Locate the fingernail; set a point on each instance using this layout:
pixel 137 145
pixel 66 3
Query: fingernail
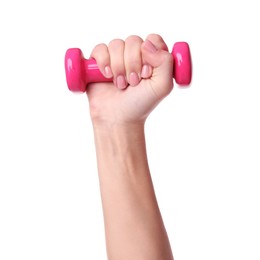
pixel 149 46
pixel 108 72
pixel 146 71
pixel 134 79
pixel 121 82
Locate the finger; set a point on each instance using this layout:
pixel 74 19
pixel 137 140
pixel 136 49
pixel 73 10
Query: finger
pixel 159 44
pixel 162 64
pixel 157 41
pixel 101 55
pixel 116 50
pixel 133 59
pixel 147 71
pixel 154 55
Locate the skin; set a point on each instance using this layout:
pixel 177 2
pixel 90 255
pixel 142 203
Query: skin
pixel 142 77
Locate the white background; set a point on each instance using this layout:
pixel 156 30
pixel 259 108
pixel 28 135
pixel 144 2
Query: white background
pixel 203 142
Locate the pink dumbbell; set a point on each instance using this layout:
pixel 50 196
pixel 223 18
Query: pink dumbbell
pixel 81 71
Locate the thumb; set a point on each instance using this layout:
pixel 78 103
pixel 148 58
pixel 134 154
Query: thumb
pixel 162 63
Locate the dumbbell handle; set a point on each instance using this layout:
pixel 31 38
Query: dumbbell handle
pixel 81 71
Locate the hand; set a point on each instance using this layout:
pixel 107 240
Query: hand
pixel 142 77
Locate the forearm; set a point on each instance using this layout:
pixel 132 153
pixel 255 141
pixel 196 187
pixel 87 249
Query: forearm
pixel 133 224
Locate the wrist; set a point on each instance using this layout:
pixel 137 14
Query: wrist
pixel 120 143
pixel 110 129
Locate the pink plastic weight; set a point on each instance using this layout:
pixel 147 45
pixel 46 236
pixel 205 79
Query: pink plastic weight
pixel 81 71
pixel 182 71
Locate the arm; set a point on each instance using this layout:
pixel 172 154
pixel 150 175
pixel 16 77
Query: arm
pixel 133 224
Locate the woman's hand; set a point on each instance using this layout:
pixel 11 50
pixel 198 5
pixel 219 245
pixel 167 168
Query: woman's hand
pixel 142 77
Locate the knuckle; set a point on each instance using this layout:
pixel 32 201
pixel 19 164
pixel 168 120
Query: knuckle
pixel 155 37
pixel 133 39
pixel 100 54
pixel 100 46
pixel 115 43
pixel 158 41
